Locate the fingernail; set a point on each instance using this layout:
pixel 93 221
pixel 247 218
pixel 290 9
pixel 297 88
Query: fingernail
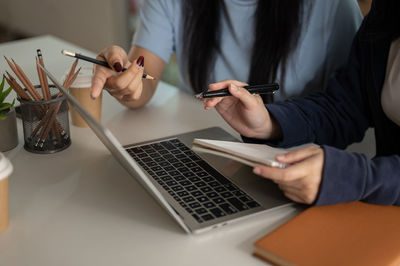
pixel 118 67
pixel 92 97
pixel 257 170
pixel 140 61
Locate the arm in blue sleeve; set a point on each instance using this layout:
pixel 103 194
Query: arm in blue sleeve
pixel 352 176
pixel 156 28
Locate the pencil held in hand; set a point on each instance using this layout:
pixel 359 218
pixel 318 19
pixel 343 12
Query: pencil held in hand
pixel 98 62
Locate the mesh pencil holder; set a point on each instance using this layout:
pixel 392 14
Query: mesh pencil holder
pixel 45 123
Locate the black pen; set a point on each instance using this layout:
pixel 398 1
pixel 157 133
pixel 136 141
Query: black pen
pixel 255 89
pixel 98 62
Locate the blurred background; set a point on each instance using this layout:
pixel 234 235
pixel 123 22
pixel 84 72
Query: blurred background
pixel 91 24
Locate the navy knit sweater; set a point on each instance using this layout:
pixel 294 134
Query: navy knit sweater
pixel 342 114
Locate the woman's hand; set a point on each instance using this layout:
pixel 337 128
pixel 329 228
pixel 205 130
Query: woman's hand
pixel 299 182
pixel 125 86
pixel 243 111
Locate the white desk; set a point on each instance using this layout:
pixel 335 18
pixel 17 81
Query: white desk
pixel 80 207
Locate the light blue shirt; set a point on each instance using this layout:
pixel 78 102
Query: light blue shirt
pixel 323 46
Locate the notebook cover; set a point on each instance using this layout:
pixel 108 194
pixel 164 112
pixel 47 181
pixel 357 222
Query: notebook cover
pixel 353 233
pixel 247 153
pixel 242 159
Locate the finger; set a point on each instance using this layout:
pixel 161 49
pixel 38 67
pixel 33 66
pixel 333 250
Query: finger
pixel 275 174
pixel 211 102
pixel 298 155
pixel 119 95
pixel 243 95
pixel 111 85
pixel 282 175
pixel 291 191
pixel 99 79
pixel 137 88
pixel 225 83
pixel 294 197
pixel 128 98
pixel 122 81
pixel 289 187
pixel 115 56
pixel 132 92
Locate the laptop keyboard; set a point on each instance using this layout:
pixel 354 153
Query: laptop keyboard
pixel 192 182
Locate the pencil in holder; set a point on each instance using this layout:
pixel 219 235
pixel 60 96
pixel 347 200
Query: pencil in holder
pixel 45 123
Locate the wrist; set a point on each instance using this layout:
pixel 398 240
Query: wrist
pixel 275 130
pixel 270 129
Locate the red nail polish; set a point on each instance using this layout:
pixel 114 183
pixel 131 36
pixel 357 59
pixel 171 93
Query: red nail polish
pixel 140 61
pixel 118 67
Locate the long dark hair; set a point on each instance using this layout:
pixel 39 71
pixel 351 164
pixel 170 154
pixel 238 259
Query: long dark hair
pixel 277 20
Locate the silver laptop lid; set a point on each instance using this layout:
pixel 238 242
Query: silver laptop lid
pixel 118 151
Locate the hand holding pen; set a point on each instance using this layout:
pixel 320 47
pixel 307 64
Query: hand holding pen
pixel 245 112
pixel 123 80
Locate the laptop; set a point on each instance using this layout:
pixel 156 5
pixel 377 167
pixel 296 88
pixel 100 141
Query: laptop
pixel 200 191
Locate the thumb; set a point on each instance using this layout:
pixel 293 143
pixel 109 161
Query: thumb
pixel 116 57
pixel 99 79
pixel 297 155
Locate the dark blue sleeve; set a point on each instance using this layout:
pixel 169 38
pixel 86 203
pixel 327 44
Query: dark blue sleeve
pixel 337 117
pixel 352 176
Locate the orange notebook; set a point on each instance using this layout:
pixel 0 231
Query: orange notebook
pixel 353 233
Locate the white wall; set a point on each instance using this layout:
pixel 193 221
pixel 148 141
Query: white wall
pixel 92 24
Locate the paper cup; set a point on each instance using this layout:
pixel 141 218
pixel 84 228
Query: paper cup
pixel 5 172
pixel 80 90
